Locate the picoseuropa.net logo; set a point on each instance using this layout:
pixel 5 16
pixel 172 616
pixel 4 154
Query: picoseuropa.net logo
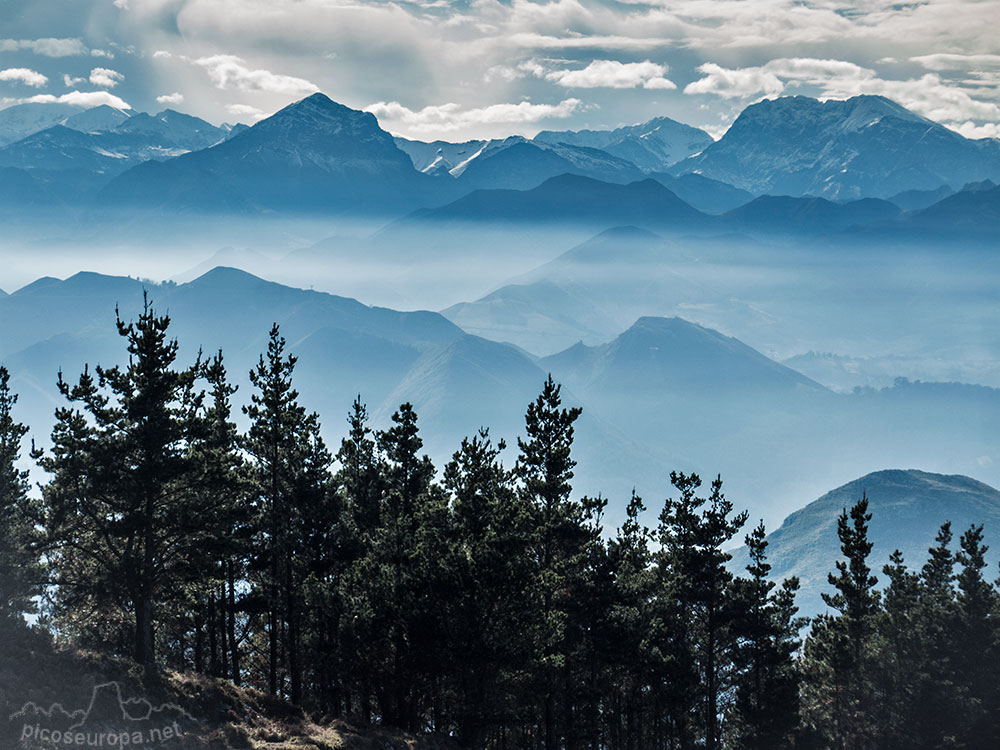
pixel 110 721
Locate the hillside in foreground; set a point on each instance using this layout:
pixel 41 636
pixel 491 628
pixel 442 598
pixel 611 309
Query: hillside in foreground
pixel 44 686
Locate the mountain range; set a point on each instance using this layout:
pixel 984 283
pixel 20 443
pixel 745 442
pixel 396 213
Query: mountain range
pixel 866 146
pixel 75 156
pixel 653 146
pixel 663 394
pixel 319 157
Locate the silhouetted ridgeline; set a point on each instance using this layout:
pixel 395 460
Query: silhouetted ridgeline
pixel 479 603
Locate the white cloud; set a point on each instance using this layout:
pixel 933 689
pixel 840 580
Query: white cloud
pixel 72 81
pixel 174 98
pixel 615 75
pixel 742 83
pixel 102 53
pixel 771 79
pixel 121 4
pixel 84 99
pixel 161 54
pixel 229 72
pixel 48 47
pixel 971 130
pixel 24 75
pixel 451 116
pixel 246 111
pixel 941 61
pixel 105 77
pixel 928 95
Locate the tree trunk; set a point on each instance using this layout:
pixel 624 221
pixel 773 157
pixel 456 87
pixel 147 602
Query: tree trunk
pixel 144 653
pixel 234 651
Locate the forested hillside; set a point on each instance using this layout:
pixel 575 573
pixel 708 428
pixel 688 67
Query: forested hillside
pixel 479 602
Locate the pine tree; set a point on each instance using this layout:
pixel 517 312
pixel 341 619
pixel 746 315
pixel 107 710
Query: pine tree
pixel 361 485
pixel 902 655
pixel 841 651
pixel 975 638
pixel 392 588
pixel 220 483
pixel 489 613
pixel 545 470
pixel 629 653
pixel 120 512
pixel 20 571
pixel 936 705
pixel 693 531
pixel 280 441
pixel 766 707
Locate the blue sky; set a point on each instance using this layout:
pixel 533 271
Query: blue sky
pixel 459 69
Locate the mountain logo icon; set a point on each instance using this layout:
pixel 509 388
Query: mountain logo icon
pixel 109 720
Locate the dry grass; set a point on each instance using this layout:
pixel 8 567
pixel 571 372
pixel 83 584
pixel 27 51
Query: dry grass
pixel 226 717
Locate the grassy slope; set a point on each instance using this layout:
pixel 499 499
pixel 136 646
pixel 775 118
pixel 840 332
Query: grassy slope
pixel 226 717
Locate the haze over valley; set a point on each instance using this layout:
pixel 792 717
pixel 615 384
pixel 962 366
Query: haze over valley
pixel 693 295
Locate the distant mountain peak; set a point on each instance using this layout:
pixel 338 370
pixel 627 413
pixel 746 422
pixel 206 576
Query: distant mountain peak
pixel 908 506
pixel 628 232
pixel 865 146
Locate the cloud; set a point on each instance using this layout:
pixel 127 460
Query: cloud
pixel 84 99
pixel 102 53
pixel 47 47
pixel 161 54
pixel 771 79
pixel 451 116
pixel 246 111
pixel 229 72
pixel 614 75
pixel 941 62
pixel 971 130
pixel 105 77
pixel 72 81
pixel 24 75
pixel 601 42
pixel 742 83
pixel 174 98
pixel 928 95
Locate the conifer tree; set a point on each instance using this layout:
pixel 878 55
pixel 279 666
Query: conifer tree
pixel 20 571
pixel 393 586
pixel 220 482
pixel 489 614
pixel 119 511
pixel 766 707
pixel 936 706
pixel 279 442
pixel 975 638
pixel 693 531
pixel 545 470
pixel 840 654
pixel 360 484
pixel 629 652
pixel 902 656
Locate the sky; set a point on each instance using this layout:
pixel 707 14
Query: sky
pixel 462 69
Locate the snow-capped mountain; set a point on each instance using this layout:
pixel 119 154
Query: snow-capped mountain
pixel 652 146
pixel 518 163
pixel 314 155
pixel 867 146
pixel 22 120
pixel 80 153
pixel 441 157
pixel 98 119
